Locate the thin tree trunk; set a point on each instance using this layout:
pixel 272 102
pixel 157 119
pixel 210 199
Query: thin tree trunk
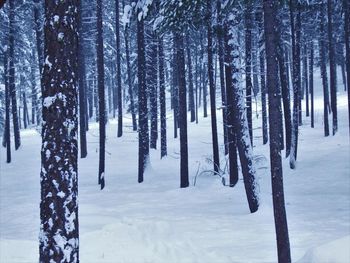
pixel 332 68
pixel 212 89
pixel 7 132
pixel 347 49
pixel 152 87
pixel 11 79
pixel 190 80
pixel 162 99
pixel 119 72
pixel 101 95
pixel 306 83
pixel 311 82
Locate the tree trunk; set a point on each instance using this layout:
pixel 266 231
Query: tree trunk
pixel 311 82
pixel 295 28
pixel 240 119
pixel 101 94
pixel 119 72
pixel 275 123
pixel 82 86
pixel 11 79
pixel 142 97
pixel 179 40
pixel 248 65
pixel 347 49
pixel 131 94
pixel 7 132
pixel 332 68
pixel 212 89
pixel 220 47
pixel 306 83
pixel 175 93
pixel 190 80
pixel 162 99
pixel 323 68
pixel 59 229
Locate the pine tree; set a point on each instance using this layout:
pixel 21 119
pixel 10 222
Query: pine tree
pixel 346 6
pixel 119 72
pixel 101 95
pixel 162 99
pixel 275 131
pixel 59 233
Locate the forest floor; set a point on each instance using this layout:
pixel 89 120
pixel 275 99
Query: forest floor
pixel 156 221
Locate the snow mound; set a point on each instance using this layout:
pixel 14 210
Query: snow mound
pixel 336 251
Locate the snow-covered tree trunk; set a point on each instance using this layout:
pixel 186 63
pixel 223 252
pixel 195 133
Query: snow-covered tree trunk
pixel 241 128
pixel 59 233
pixel 275 131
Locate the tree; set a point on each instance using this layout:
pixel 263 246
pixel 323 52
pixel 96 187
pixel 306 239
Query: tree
pixel 82 86
pixel 240 122
pixel 101 95
pixel 142 97
pixel 119 72
pixel 7 132
pixel 275 131
pixel 11 78
pixel 347 49
pixel 214 132
pixel 59 233
pixel 332 68
pixel 162 101
pixel 311 82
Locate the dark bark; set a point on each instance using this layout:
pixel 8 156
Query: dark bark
pixel 262 77
pixel 296 80
pixel 82 86
pixel 190 81
pixel 152 87
pixel 275 132
pixel 175 93
pixel 248 65
pixel 142 97
pixel 25 111
pixel 347 50
pixel 11 78
pixel 306 83
pixel 119 71
pixel 131 94
pixel 101 95
pixel 212 89
pixel 323 68
pixel 162 99
pixel 179 40
pixel 7 132
pixel 220 47
pixel 59 229
pixel 311 83
pixel 332 68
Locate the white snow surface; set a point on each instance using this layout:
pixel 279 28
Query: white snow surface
pixel 156 221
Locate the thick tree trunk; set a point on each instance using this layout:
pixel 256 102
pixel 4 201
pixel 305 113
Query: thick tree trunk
pixel 119 72
pixel 142 97
pixel 332 68
pixel 179 40
pixel 275 123
pixel 101 95
pixel 212 89
pixel 241 129
pixel 59 229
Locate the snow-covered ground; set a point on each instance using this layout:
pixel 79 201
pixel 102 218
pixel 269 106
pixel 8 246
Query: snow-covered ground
pixel 156 221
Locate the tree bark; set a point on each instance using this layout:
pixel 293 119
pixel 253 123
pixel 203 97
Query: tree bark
pixel 119 72
pixel 162 99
